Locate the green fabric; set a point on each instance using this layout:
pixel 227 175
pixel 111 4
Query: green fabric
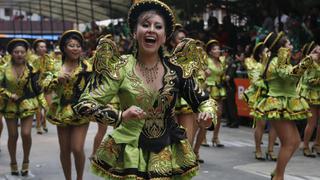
pixel 9 108
pixel 254 70
pixel 281 82
pixel 174 159
pixel 309 85
pixel 121 149
pixel 217 77
pixel 283 101
pixel 63 114
pixel 217 72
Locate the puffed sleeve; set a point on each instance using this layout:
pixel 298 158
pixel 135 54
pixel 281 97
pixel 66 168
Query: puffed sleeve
pixel 187 56
pixel 311 77
pixel 256 78
pixel 197 98
pixel 49 78
pixel 3 91
pixel 284 69
pixel 103 86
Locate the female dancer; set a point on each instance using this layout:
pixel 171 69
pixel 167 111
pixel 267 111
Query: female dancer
pixel 45 64
pixel 309 89
pixel 283 104
pixel 19 91
pixel 148 142
pixel 102 128
pixel 68 83
pixel 215 82
pixel 255 93
pixel 185 115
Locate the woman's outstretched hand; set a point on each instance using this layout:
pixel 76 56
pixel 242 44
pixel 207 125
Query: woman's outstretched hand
pixel 133 112
pixel 204 119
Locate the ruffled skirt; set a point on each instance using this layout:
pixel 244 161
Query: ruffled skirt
pixel 126 162
pixel 282 108
pixel 217 92
pixel 311 95
pixel 25 108
pixel 182 107
pixel 64 116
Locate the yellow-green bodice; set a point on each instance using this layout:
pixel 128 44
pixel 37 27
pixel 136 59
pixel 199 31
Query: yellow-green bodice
pixel 24 87
pixel 14 85
pixel 282 79
pixel 311 78
pixel 217 69
pixel 157 126
pixel 67 94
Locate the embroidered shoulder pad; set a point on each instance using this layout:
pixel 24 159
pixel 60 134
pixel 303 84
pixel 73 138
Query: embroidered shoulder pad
pixel 188 56
pixel 107 59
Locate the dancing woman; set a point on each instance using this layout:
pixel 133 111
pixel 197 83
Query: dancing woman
pixel 68 82
pixel 283 105
pixel 19 92
pixel 148 143
pixel 256 92
pixel 309 89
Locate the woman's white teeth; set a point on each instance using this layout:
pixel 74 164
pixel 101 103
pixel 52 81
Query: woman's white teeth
pixel 150 39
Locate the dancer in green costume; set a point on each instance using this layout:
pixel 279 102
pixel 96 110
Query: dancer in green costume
pixel 148 143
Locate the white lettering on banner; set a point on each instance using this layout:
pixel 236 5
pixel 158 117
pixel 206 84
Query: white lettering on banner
pixel 241 90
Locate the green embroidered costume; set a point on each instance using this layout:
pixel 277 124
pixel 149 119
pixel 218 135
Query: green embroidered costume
pixel 215 81
pixel 309 86
pixel 283 101
pixel 25 86
pixel 154 147
pixel 60 112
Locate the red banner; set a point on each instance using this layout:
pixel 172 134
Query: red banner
pixel 241 85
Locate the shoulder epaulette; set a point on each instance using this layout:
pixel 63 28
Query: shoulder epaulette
pixel 187 56
pixel 107 59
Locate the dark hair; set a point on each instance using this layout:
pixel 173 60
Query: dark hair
pixel 172 37
pixel 37 42
pixel 211 45
pixel 258 51
pixel 282 41
pixel 151 12
pixel 18 44
pixel 159 7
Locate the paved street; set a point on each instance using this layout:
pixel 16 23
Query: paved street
pixel 233 162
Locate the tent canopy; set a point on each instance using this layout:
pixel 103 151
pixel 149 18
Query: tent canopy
pixel 72 10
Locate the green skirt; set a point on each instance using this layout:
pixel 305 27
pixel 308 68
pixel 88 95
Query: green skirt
pixel 311 95
pixel 13 110
pixel 282 108
pixel 64 116
pixel 123 161
pixel 217 92
pixel 182 107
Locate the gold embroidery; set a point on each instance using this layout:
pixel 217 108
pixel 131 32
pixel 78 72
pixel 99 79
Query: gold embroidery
pixel 155 125
pixel 188 56
pixel 159 162
pixel 107 59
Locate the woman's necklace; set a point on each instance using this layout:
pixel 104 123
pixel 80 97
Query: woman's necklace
pixel 150 73
pixel 19 71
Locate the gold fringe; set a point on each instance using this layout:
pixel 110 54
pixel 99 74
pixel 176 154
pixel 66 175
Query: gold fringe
pixel 98 170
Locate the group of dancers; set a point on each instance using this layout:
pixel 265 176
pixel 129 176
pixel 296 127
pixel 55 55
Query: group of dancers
pixel 160 99
pixel 281 93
